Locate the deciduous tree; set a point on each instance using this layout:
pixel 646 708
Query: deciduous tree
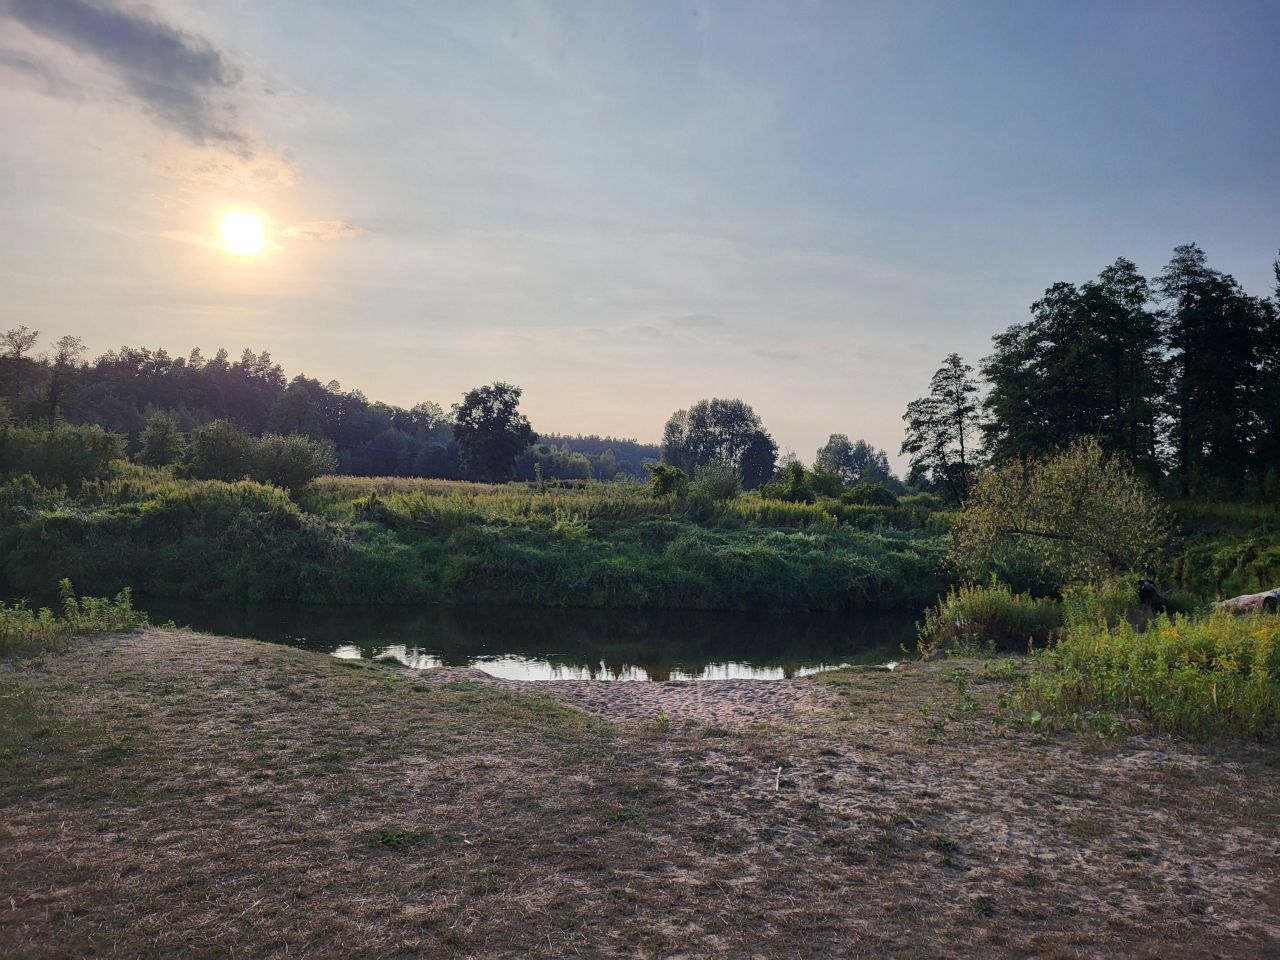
pixel 490 431
pixel 1080 514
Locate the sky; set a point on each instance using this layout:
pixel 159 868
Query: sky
pixel 621 207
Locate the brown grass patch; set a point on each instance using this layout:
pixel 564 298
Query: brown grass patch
pixel 171 793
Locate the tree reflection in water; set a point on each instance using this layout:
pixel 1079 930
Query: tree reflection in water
pixel 544 644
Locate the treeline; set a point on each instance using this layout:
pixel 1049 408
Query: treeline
pixel 1180 375
pixel 131 390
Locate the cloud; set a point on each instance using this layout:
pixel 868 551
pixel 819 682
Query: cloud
pixel 177 76
pixel 187 86
pixel 39 75
pixel 322 230
pixel 697 320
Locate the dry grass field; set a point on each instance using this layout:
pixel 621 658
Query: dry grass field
pixel 167 793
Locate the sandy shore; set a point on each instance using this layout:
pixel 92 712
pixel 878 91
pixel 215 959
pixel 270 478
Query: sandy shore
pixel 722 703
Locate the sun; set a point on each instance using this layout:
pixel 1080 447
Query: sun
pixel 244 233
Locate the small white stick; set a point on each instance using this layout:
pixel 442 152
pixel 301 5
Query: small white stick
pixel 777 780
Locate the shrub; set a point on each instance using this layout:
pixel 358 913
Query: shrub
pixel 162 442
pixel 825 483
pixel 58 454
pixel 793 485
pixel 1083 514
pixel 220 451
pixel 22 627
pixel 291 461
pixel 1193 676
pixel 983 617
pixel 665 480
pixel 716 481
pixel 870 494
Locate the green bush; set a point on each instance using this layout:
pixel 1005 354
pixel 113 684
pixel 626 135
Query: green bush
pixel 987 617
pixel 220 451
pixel 162 442
pixel 290 461
pixel 666 480
pixel 1193 676
pixel 716 481
pixel 870 494
pixel 58 454
pixel 793 486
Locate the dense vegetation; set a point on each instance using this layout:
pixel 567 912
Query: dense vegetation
pixel 1195 676
pixel 125 391
pixel 387 540
pixel 1180 376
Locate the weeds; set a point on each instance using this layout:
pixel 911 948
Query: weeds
pixel 24 629
pixel 1196 677
pixel 977 619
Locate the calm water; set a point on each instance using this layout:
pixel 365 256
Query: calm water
pixel 541 644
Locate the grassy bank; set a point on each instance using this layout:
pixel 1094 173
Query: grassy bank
pixel 361 541
pixel 157 786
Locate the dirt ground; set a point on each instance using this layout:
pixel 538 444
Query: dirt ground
pixel 174 794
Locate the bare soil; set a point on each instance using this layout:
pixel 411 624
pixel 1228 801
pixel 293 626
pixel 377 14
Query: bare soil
pixel 167 793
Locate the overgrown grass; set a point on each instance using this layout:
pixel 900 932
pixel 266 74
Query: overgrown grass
pixel 24 629
pixel 1198 677
pixel 975 618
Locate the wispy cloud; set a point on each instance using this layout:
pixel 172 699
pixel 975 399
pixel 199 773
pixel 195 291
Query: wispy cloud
pixel 322 230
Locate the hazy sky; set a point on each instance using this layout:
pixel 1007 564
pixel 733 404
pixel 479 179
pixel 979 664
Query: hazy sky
pixel 622 207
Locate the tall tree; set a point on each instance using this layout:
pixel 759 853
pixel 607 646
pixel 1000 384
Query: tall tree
pixel 16 344
pixel 1087 364
pixel 1214 331
pixel 854 461
pixel 66 353
pixel 1268 445
pixel 724 430
pixel 490 431
pixel 941 429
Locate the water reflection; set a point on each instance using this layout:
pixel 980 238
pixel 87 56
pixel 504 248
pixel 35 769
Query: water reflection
pixel 541 644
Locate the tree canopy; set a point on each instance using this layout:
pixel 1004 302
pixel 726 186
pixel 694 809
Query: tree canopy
pixel 1078 515
pixel 855 462
pixel 720 430
pixel 490 431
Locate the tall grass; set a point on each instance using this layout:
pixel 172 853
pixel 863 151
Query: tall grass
pixel 974 618
pixel 1197 677
pixel 22 628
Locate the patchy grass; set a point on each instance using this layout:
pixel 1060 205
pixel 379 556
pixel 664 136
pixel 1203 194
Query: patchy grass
pixel 167 793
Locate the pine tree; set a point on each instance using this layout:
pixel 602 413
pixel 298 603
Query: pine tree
pixel 941 429
pixel 1213 331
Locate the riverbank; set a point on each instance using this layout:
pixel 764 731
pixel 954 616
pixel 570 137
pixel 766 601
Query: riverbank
pixel 379 541
pixel 169 792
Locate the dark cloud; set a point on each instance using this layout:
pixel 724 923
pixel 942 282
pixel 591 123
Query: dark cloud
pixel 181 79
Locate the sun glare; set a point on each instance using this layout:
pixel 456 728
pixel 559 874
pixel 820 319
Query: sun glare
pixel 244 233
